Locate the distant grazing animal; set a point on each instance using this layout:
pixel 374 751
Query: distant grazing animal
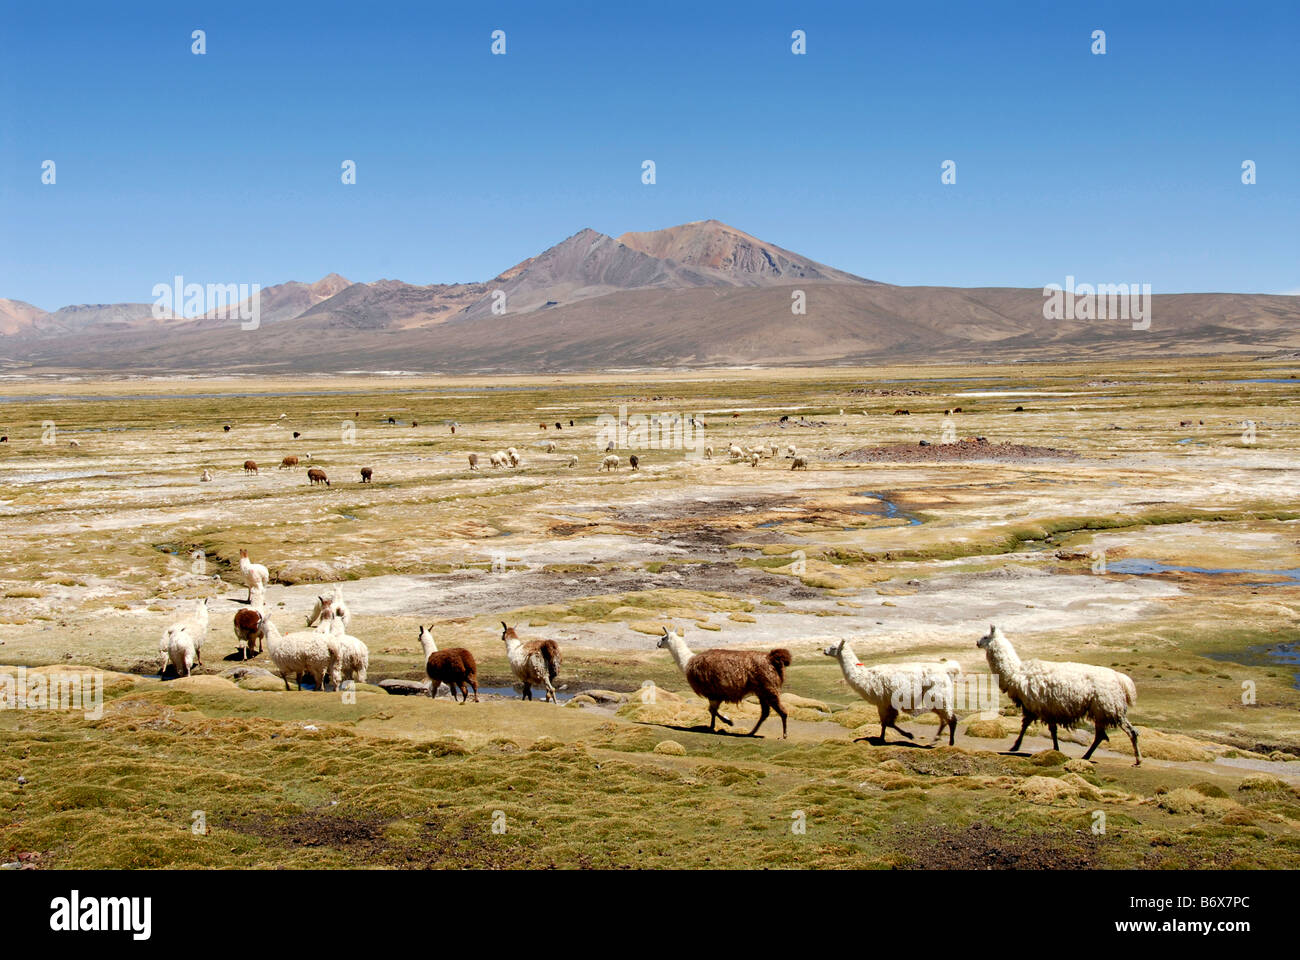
pixel 708 452
pixel 947 413
pixel 288 462
pixel 734 452
pixel 609 446
pixel 296 434
pixel 910 687
pixel 534 663
pixel 473 461
pixel 902 413
pixel 255 575
pixel 250 466
pixel 570 423
pixel 226 428
pixel 455 667
pixel 557 425
pixel 513 456
pixel 415 423
pixel 206 476
pixel 573 461
pixel 317 475
pixel 73 443
pixel 956 409
pixel 728 676
pixel 609 463
pixel 453 428
pixel 499 459
pixel 1019 410
pixel 1062 694
pixel 392 420
pixel 250 631
pixel 549 446
pixel 4 439
pixel 791 451
pixel 634 461
pixel 542 425
pixel 182 642
pixel 366 474
pixel 753 459
pixel 799 463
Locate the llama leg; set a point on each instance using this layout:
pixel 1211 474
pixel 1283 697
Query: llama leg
pixel 528 691
pixel 1096 740
pixel 1055 745
pixel 1025 721
pixel 550 693
pixel 952 731
pixel 1132 735
pixel 780 710
pixel 893 724
pixel 765 710
pixel 473 682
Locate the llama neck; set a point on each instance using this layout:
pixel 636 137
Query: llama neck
pixel 681 653
pixel 848 659
pixel 1002 658
pixel 428 645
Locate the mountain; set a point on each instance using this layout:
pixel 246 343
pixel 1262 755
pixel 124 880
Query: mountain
pixel 723 251
pixel 697 294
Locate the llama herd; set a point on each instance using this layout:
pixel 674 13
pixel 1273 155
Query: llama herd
pixel 1057 694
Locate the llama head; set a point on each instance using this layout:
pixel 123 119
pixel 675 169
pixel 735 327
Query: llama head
pixel 508 633
pixel 243 554
pixel 833 650
pixel 989 637
pixel 668 637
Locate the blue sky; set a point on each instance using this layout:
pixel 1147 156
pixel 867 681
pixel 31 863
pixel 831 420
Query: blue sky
pixel 226 167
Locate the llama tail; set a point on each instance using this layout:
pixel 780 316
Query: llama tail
pixel 550 651
pixel 1130 689
pixel 780 659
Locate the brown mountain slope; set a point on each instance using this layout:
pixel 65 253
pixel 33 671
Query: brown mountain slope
pixel 742 259
pixel 710 326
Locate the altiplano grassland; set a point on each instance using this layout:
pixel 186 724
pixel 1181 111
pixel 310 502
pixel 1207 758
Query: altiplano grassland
pixel 1152 525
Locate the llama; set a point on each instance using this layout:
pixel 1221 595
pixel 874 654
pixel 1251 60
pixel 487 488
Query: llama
pixel 734 452
pixel 549 446
pixel 634 462
pixel 728 676
pixel 609 463
pixel 290 461
pixel 499 459
pixel 250 466
pixel 352 655
pixel 316 475
pixel 250 632
pixel 304 652
pixel 338 608
pixel 513 456
pixel 182 642
pixel 473 461
pixel 255 575
pixel 753 459
pixel 1060 694
pixel 367 474
pixel 708 452
pixel 455 667
pixel 536 662
pixel 206 477
pixel 572 461
pixel 913 688
pixel 799 463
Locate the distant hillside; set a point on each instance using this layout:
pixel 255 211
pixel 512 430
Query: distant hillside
pixel 694 295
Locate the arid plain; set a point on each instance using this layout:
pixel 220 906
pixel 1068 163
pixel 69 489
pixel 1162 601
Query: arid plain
pixel 1143 517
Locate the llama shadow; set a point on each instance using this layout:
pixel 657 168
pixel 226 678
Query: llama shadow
pixel 882 742
pixel 704 728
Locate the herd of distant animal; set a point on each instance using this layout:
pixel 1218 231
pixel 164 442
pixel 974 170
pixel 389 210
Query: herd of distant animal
pixel 1058 694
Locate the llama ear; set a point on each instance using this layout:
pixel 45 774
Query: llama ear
pixel 503 625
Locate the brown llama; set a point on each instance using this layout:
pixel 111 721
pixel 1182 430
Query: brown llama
pixel 250 631
pixel 250 466
pixel 366 474
pixel 317 475
pixel 728 676
pixel 288 462
pixel 455 667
